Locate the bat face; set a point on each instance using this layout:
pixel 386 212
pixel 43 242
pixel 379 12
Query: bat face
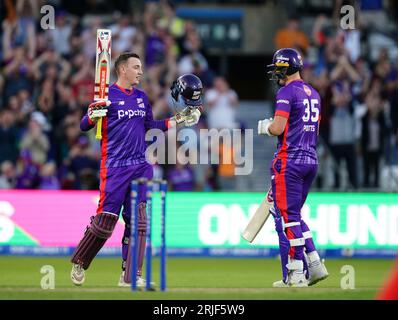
pixel 102 65
pixel 257 221
pixel 102 70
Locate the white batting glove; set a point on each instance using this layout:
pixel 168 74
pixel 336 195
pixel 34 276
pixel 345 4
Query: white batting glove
pixel 192 118
pixel 263 126
pixel 98 109
pixel 188 116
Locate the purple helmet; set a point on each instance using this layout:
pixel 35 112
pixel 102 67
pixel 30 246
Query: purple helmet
pixel 189 87
pixel 285 62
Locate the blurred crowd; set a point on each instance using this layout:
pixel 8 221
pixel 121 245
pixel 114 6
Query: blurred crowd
pixel 47 82
pixel 356 74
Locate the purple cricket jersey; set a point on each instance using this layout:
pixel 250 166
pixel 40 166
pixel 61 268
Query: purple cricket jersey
pixel 301 105
pixel 123 129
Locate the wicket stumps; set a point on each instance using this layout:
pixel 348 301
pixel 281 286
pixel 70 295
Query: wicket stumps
pixel 134 233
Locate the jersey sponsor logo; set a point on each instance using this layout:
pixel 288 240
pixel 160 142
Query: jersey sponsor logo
pixel 283 101
pixel 140 103
pixel 307 90
pixel 121 103
pixel 130 113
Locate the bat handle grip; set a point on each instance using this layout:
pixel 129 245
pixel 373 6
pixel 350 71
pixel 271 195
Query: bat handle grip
pixel 98 134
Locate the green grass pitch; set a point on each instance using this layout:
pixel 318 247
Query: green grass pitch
pixel 188 278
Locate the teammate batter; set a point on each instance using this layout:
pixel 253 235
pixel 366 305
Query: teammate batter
pixel 293 168
pixel 127 115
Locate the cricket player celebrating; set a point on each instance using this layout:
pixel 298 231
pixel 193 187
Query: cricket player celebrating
pixel 296 124
pixel 126 117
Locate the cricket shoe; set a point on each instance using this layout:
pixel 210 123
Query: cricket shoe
pixel 123 283
pixel 295 278
pixel 141 282
pixel 317 272
pixel 280 284
pixel 77 274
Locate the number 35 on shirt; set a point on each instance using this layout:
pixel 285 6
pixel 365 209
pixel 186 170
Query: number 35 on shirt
pixel 311 114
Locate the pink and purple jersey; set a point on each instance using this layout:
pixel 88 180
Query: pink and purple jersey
pixel 123 129
pixel 301 105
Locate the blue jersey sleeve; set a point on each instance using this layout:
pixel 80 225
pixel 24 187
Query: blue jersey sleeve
pixel 86 124
pixel 150 123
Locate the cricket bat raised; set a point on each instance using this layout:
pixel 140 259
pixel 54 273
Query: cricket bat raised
pixel 257 221
pixel 102 70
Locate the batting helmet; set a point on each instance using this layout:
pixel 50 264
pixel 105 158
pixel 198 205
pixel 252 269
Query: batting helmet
pixel 189 87
pixel 285 62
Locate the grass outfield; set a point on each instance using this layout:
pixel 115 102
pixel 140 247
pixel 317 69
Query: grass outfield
pixel 188 278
